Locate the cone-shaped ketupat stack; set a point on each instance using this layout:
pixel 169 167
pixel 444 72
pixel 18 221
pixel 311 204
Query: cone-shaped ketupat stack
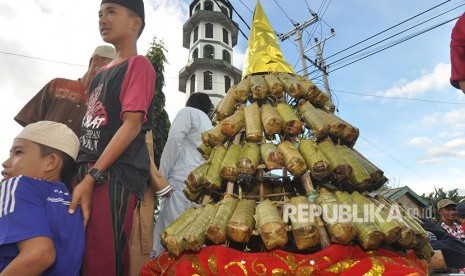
pixel 276 121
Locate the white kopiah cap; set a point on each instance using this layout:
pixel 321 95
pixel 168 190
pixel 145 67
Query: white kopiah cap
pixel 104 51
pixel 54 135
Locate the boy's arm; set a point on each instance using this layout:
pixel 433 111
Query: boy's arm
pixel 131 127
pixel 35 256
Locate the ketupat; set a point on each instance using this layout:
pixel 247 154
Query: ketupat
pixel 340 169
pixel 227 105
pixel 213 178
pixel 291 84
pixel 196 178
pixel 216 230
pixel 242 223
pixel 215 137
pixel 275 86
pixel 293 160
pixel 291 123
pixel 258 87
pixel 313 120
pixel 359 179
pixel 271 121
pixel 316 161
pixel 305 232
pixel 194 238
pixel 407 235
pixel 248 159
pixel 369 235
pixel 171 237
pixel 270 225
pixel 339 232
pixel 271 156
pixel 253 123
pixel 241 91
pixel 229 170
pixel 391 229
pixel 234 123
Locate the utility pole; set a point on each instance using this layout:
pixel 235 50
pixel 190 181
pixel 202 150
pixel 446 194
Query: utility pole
pixel 298 32
pixel 321 62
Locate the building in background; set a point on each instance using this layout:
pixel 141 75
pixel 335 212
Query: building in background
pixel 410 200
pixel 210 35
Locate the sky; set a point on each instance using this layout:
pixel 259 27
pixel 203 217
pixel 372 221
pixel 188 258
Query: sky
pixel 411 121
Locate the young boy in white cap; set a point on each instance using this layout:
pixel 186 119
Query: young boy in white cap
pixel 37 235
pixel 65 100
pixel 114 159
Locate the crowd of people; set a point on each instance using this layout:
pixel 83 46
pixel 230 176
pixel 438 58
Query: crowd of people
pixel 78 187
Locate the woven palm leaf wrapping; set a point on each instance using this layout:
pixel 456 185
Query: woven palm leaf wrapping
pixel 271 156
pixel 315 159
pixel 272 122
pixel 242 223
pixel 305 232
pixel 270 225
pixel 291 123
pixel 234 123
pixel 249 159
pixel 253 124
pixel 258 87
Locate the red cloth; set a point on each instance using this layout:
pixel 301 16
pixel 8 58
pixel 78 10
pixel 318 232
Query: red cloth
pixel 334 260
pixel 457 52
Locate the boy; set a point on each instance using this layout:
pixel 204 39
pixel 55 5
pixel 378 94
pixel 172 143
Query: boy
pixel 63 100
pixel 37 235
pixel 114 159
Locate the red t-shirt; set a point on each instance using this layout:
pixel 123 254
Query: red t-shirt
pixel 457 52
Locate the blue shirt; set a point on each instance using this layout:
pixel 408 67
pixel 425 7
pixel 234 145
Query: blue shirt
pixel 32 208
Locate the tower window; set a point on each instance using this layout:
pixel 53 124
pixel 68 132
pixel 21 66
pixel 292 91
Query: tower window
pixel 209 30
pixel 208 5
pixel 207 80
pixel 208 51
pixel 196 33
pixel 195 54
pixel 227 83
pixel 226 56
pixel 197 8
pixel 192 84
pixel 225 36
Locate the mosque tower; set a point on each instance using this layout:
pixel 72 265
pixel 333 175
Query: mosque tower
pixel 210 35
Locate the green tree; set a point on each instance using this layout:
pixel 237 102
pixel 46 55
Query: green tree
pixel 161 122
pixel 438 194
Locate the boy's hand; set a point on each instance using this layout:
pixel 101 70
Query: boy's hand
pixel 82 194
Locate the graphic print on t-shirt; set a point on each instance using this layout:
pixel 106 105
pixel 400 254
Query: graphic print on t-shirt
pixel 96 117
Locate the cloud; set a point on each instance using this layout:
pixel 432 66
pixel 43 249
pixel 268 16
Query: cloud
pixel 421 141
pixel 435 80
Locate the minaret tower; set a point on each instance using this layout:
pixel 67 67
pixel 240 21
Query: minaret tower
pixel 210 35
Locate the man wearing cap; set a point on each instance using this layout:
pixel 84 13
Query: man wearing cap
pixel 448 217
pixel 64 100
pixel 37 235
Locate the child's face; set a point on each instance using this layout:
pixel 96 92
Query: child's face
pixel 25 159
pixel 115 23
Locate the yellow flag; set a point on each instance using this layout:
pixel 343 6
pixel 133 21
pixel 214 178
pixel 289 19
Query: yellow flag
pixel 263 52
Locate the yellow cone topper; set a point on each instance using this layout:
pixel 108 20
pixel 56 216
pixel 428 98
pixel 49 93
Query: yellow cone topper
pixel 263 52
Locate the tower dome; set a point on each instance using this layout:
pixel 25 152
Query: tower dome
pixel 210 35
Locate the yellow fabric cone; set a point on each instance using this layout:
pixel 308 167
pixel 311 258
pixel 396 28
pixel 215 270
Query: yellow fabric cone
pixel 263 52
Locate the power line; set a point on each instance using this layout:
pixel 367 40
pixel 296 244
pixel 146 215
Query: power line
pixel 390 28
pixel 43 59
pixel 396 98
pixel 394 35
pixel 292 21
pixel 396 43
